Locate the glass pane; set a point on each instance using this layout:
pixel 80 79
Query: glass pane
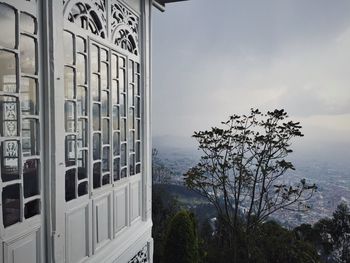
pixel 123 129
pixel 28 55
pixel 96 115
pixel 9 161
pixel 114 65
pixel 138 131
pixel 132 164
pixel 28 96
pixel 131 95
pixel 115 92
pixel 131 119
pixel 138 168
pixel 138 152
pixel 104 55
pixel 94 59
pixel 131 70
pixel 31 178
pixel 123 154
pixel 132 141
pixel 8 26
pixel 122 80
pixel 97 175
pixel 69 112
pixel 105 179
pixel 116 144
pixel 68 48
pixel 69 86
pixel 81 69
pixel 105 159
pixel 95 87
pixel 29 133
pixel 82 101
pixel 82 165
pixel 104 76
pixel 105 104
pixel 8 70
pixel 105 132
pixel 32 208
pixel 138 85
pixel 122 106
pixel 28 23
pixel 80 45
pixel 11 204
pixel 70 150
pixel 137 107
pixel 96 146
pixel 70 184
pixel 116 169
pixel 123 173
pixel 82 188
pixel 82 132
pixel 116 118
pixel 8 115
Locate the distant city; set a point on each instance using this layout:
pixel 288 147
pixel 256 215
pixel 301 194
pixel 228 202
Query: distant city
pixel 332 178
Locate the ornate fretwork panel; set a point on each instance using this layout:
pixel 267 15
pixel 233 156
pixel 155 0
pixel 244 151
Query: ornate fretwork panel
pixel 125 28
pixel 20 157
pixel 141 257
pixel 90 15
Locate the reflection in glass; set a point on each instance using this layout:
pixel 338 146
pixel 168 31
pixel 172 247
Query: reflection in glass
pixel 80 45
pixel 28 23
pixel 82 101
pixel 138 85
pixel 131 70
pixel 82 131
pixel 31 178
pixel 105 131
pixel 70 184
pixel 116 169
pixel 114 65
pixel 116 144
pixel 104 76
pixel 115 92
pixel 132 141
pixel 122 80
pixel 8 116
pixel 96 146
pixel 131 95
pixel 115 118
pixel 32 208
pixel 97 175
pixel 82 165
pixel 82 188
pixel 95 87
pixel 131 118
pixel 68 48
pixel 105 159
pixel 94 59
pixel 105 104
pixel 9 160
pixel 137 107
pixel 8 26
pixel 123 173
pixel 138 152
pixel 105 179
pixel 69 87
pixel 69 113
pixel 138 131
pixel 81 70
pixel 132 164
pixel 28 96
pixel 29 137
pixel 138 168
pixel 96 115
pixel 123 154
pixel 123 129
pixel 11 204
pixel 122 106
pixel 70 150
pixel 28 55
pixel 8 71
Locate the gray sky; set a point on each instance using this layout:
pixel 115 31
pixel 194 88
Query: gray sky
pixel 213 58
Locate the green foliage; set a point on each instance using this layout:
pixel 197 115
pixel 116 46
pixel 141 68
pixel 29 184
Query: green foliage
pixel 181 242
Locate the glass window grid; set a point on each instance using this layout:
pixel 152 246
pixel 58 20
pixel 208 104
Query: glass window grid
pixel 21 159
pixel 77 136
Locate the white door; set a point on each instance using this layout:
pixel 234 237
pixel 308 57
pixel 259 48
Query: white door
pixel 22 204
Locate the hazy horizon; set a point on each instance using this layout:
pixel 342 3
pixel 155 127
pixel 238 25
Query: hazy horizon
pixel 211 61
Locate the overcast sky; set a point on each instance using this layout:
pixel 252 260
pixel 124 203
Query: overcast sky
pixel 213 58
